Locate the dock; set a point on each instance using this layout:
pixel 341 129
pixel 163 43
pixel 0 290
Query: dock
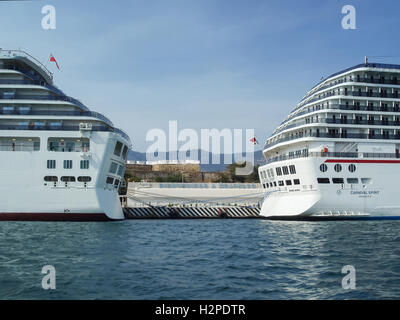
pixel 165 212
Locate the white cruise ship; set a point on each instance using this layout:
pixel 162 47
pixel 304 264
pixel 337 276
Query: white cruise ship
pixel 59 160
pixel 337 153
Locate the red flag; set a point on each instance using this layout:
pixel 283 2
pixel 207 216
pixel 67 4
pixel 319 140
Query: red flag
pixel 254 140
pixel 52 59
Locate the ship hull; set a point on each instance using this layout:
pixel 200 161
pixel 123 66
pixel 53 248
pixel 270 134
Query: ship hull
pixel 376 197
pixel 26 195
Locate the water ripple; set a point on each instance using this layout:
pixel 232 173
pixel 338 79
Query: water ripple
pixel 200 259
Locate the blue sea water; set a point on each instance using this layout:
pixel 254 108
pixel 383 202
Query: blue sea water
pixel 200 259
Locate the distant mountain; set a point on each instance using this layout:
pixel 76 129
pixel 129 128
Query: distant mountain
pixel 210 167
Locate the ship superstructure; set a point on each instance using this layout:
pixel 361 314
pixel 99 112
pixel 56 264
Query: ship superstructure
pixel 337 152
pixel 59 160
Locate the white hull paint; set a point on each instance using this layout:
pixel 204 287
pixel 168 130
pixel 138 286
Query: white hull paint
pixel 58 159
pixel 337 154
pixel 379 197
pixel 23 189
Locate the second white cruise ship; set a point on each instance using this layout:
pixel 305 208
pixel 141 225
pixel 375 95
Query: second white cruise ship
pixel 337 153
pixel 59 160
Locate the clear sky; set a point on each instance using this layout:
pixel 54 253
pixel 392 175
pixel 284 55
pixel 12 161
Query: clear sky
pixel 205 63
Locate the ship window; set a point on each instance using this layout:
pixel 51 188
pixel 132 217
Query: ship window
pixel 50 179
pixel 68 144
pixel 292 169
pixel 352 180
pixel 264 186
pixel 296 181
pixel 288 182
pixel 67 179
pixel 125 152
pixel 24 110
pixel 285 170
pixel 337 167
pixel 280 183
pixel 338 180
pixel 113 167
pixel 8 95
pixel 263 174
pixel 323 180
pixel 274 183
pixel 8 110
pixel 366 180
pixel 19 144
pixel 118 148
pixel 84 164
pixel 323 167
pixel 109 180
pixel 352 168
pixel 51 164
pixel 116 183
pixel 84 179
pixel 67 164
pixel 278 171
pixel 121 169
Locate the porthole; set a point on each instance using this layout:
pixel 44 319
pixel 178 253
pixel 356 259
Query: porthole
pixel 337 167
pixel 352 168
pixel 323 167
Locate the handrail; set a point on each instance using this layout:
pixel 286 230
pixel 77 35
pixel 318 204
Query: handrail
pixel 24 54
pixel 352 155
pixel 358 66
pixel 31 112
pixel 340 107
pixel 335 136
pixel 48 97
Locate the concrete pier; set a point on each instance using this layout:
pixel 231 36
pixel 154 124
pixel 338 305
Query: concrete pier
pixel 165 212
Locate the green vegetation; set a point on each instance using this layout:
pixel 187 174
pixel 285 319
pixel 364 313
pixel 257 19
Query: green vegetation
pixel 171 177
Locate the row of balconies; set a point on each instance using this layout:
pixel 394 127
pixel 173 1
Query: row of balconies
pixel 384 134
pixel 389 79
pixel 356 107
pixel 27 110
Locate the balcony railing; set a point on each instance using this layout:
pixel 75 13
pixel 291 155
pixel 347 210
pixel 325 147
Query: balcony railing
pixel 18 147
pixel 52 127
pixel 32 112
pixel 350 93
pixel 336 136
pixel 340 107
pixel 22 54
pixel 45 97
pixel 353 155
pixel 363 80
pixel 32 82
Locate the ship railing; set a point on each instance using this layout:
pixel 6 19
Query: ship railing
pixel 20 53
pixel 35 80
pixel 340 107
pixel 18 147
pixel 83 149
pixel 24 111
pixel 350 94
pixel 32 82
pixel 11 95
pixel 51 127
pixel 342 121
pixel 342 135
pixel 355 80
pixel 352 155
pixel 194 185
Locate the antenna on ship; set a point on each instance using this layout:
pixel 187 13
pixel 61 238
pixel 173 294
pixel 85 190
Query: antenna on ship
pixel 366 60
